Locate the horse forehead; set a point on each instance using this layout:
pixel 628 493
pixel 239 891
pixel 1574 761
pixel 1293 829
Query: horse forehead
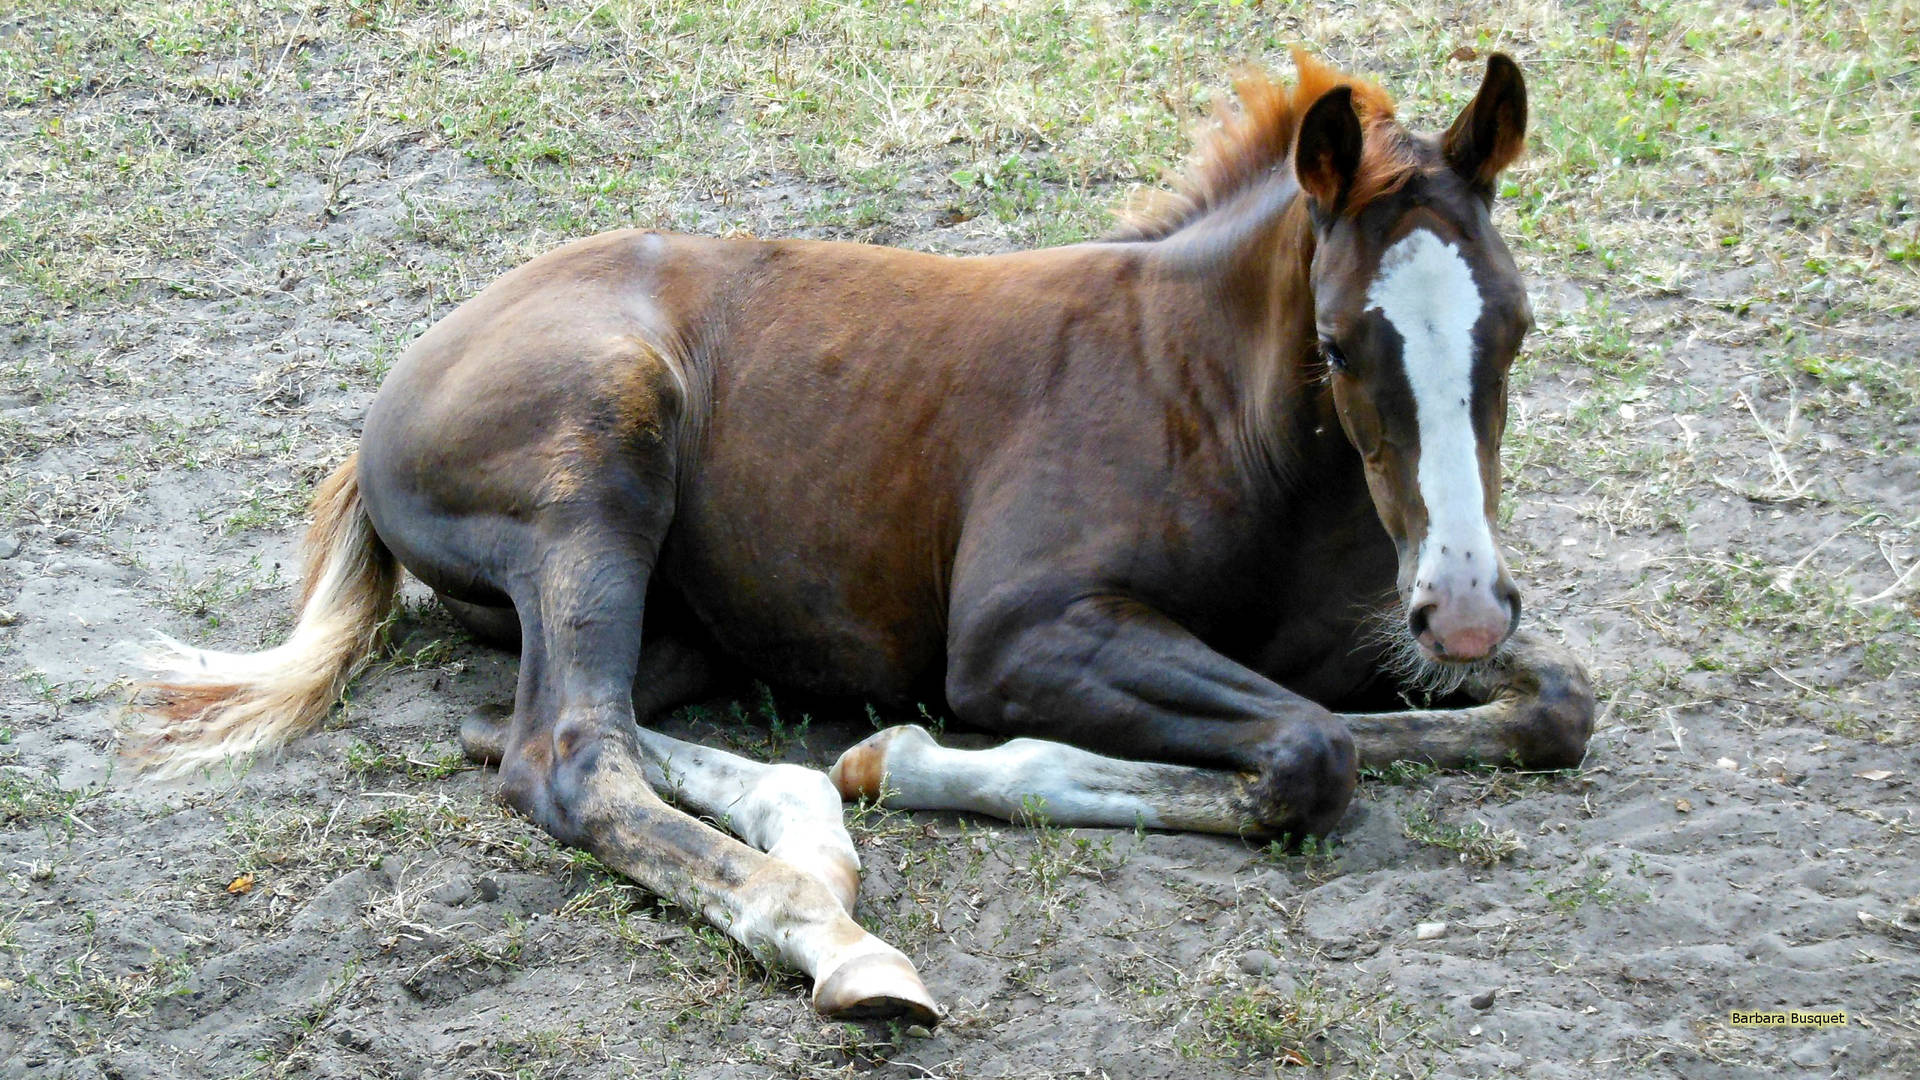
pixel 1425 286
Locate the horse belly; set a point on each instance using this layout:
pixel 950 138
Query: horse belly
pixel 837 607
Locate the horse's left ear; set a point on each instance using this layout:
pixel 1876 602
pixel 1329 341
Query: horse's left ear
pixel 1486 138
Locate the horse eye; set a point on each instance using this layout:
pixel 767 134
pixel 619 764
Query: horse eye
pixel 1336 360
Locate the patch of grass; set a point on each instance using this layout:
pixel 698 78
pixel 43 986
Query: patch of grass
pixel 98 997
pixel 1400 773
pixel 1315 857
pixel 264 507
pixel 367 761
pixel 541 1053
pixel 295 849
pixel 37 799
pixel 1059 854
pixel 1476 842
pixel 206 596
pixel 1311 1026
pixel 1596 889
pixel 437 652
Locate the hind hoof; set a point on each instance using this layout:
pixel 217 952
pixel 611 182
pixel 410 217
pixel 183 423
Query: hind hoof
pixel 877 987
pixel 483 734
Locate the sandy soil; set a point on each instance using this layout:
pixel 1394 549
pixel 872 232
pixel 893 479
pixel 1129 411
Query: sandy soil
pixel 1743 834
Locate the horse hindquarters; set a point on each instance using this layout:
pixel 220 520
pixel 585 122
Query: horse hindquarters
pixel 527 455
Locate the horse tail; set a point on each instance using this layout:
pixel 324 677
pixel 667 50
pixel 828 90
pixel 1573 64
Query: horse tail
pixel 204 707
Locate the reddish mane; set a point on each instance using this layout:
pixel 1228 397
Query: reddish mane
pixel 1242 145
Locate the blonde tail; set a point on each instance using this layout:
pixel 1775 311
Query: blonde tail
pixel 206 707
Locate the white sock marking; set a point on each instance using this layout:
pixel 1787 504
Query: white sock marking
pixel 1064 785
pixel 788 811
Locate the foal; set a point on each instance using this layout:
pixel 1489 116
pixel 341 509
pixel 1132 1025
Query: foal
pixel 1143 496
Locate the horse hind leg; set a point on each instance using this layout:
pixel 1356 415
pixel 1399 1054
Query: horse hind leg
pixel 495 626
pixel 671 674
pixel 791 812
pixel 575 762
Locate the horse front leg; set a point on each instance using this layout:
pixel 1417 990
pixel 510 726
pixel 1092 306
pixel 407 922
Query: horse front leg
pixel 1035 781
pixel 1113 675
pixel 1536 711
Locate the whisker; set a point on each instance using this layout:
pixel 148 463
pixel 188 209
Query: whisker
pixel 1384 629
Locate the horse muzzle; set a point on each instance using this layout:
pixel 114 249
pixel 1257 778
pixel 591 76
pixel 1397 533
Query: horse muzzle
pixel 1457 616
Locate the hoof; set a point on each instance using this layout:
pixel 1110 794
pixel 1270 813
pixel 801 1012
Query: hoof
pixel 876 987
pixel 483 734
pixel 861 772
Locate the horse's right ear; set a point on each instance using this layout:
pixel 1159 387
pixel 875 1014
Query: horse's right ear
pixel 1326 152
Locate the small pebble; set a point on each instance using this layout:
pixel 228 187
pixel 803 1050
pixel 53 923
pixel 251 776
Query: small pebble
pixel 9 546
pixel 67 537
pixel 1427 931
pixel 8 618
pixel 917 1031
pixel 1483 1002
pixel 1259 962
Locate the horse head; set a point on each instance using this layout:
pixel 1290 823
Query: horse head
pixel 1419 312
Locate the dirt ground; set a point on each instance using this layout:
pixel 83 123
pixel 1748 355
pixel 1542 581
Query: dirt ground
pixel 220 222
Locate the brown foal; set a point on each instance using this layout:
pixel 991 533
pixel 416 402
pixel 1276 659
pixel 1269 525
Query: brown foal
pixel 1174 496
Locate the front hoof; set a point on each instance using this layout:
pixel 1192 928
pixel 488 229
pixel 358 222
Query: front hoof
pixel 1306 780
pixel 876 987
pixel 861 772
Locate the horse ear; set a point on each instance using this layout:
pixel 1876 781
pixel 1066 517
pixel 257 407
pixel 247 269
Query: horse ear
pixel 1486 138
pixel 1326 152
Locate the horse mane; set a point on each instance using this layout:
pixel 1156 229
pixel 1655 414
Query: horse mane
pixel 1242 145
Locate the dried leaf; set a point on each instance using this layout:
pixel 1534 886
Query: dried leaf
pixel 1683 806
pixel 241 884
pixel 1464 52
pixel 1875 774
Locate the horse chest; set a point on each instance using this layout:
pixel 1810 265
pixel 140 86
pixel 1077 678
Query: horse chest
pixel 1327 611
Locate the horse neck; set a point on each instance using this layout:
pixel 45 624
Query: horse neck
pixel 1254 257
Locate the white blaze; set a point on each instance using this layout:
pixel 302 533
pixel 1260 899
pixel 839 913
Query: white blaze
pixel 1426 290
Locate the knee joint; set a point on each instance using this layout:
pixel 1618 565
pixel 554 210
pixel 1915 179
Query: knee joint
pixel 1307 775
